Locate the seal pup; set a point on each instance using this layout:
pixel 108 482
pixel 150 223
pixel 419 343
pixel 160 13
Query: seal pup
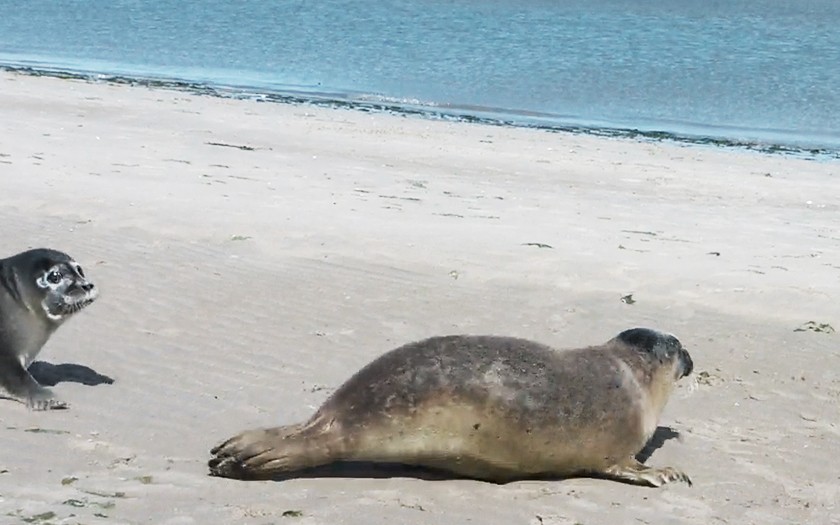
pixel 485 407
pixel 39 290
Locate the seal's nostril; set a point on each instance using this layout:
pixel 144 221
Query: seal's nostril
pixel 88 287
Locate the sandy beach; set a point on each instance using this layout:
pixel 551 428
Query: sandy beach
pixel 251 256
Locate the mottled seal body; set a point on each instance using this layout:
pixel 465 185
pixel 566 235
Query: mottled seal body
pixel 485 407
pixel 39 290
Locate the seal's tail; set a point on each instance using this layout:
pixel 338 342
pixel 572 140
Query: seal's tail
pixel 271 452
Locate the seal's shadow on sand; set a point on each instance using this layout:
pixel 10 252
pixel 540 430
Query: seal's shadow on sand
pixel 49 374
pixel 395 470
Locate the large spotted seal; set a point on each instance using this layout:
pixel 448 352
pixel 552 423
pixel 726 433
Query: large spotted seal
pixel 39 290
pixel 485 407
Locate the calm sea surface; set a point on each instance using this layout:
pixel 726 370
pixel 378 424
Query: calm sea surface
pixel 763 71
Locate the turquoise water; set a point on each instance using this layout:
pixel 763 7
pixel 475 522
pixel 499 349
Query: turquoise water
pixel 763 72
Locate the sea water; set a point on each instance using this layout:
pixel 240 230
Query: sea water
pixel 760 73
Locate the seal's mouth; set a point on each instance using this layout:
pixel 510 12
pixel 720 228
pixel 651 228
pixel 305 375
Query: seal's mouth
pixel 69 308
pixel 686 362
pixel 65 305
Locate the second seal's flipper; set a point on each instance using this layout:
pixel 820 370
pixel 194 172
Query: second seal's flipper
pixel 267 453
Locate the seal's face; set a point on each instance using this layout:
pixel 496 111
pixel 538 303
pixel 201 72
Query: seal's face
pixel 63 284
pixel 661 346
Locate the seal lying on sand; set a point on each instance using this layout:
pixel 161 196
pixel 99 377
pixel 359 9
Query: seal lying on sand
pixel 39 290
pixel 485 407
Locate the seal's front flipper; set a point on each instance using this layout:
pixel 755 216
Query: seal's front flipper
pixel 44 399
pixel 20 385
pixel 631 471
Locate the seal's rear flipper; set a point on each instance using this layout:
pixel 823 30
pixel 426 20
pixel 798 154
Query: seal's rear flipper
pixel 267 453
pixel 631 471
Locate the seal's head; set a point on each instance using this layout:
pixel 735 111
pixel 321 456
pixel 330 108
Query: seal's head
pixel 57 280
pixel 660 346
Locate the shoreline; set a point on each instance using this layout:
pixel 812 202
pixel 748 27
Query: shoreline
pixel 487 116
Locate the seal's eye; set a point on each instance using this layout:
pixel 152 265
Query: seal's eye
pixel 54 277
pixel 81 272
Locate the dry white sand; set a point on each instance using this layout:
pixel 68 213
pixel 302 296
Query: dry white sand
pixel 240 286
